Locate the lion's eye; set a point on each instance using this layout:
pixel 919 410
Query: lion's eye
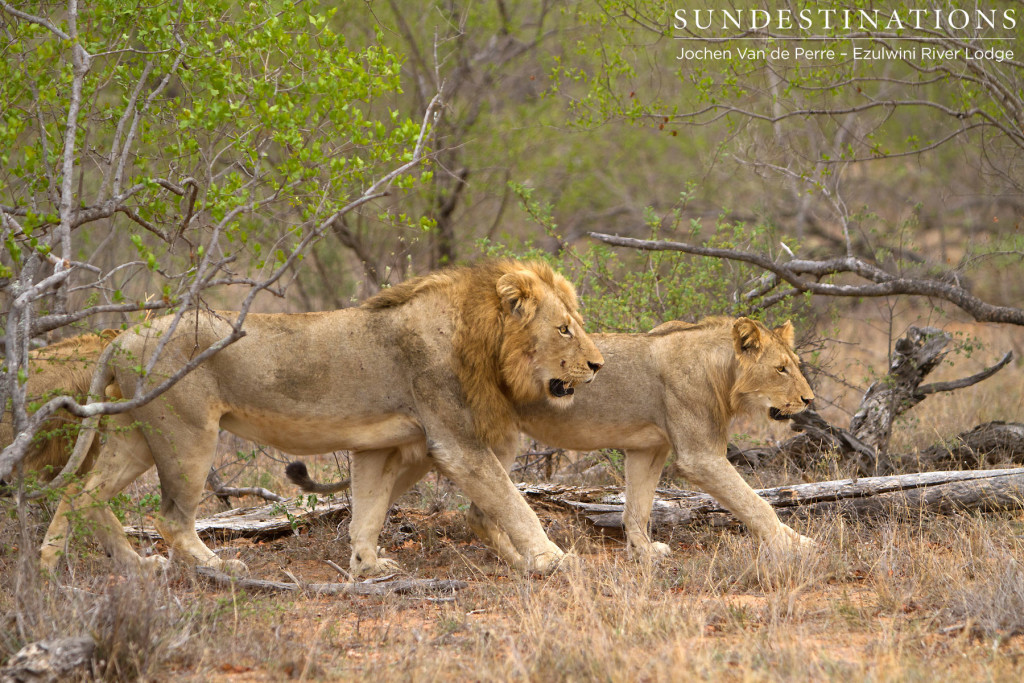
pixel 564 331
pixel 782 369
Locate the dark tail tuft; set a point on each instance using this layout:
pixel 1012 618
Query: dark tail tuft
pixel 297 473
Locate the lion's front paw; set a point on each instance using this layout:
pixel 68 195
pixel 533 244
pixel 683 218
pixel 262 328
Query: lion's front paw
pixel 807 543
pixel 365 564
pixel 234 567
pixel 49 557
pixel 649 551
pixel 231 567
pixel 154 564
pixel 788 540
pixel 548 561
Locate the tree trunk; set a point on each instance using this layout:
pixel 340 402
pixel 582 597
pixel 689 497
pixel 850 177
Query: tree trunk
pixel 914 356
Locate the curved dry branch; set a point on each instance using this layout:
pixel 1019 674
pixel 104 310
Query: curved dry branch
pixel 936 387
pixel 797 273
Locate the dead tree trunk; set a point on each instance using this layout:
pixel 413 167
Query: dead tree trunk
pixel 914 356
pixel 992 441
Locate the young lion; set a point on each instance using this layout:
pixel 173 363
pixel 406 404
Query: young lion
pixel 64 367
pixel 444 359
pixel 676 388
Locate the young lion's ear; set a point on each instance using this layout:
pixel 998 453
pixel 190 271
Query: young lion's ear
pixel 746 336
pixel 786 333
pixel 518 293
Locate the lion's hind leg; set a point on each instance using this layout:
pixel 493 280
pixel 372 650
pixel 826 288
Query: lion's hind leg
pixel 183 465
pixel 375 478
pixel 643 469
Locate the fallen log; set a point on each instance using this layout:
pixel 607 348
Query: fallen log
pixel 988 443
pixel 271 520
pixel 895 495
pixel 898 495
pixel 369 587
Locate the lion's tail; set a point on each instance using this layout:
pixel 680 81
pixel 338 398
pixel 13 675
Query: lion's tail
pixel 298 474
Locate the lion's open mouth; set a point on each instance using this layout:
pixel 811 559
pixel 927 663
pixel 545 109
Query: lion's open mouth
pixel 560 389
pixel 776 414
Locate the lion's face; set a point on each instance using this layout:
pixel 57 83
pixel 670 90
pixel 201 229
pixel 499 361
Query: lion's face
pixel 770 374
pixel 545 352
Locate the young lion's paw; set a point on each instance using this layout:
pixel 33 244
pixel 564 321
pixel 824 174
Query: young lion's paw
pixel 807 543
pixel 234 567
pixel 154 564
pixel 49 557
pixel 788 542
pixel 231 567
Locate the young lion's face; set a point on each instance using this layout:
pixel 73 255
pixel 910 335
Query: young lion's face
pixel 769 370
pixel 545 353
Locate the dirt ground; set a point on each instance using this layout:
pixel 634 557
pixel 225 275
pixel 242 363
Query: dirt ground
pixel 928 598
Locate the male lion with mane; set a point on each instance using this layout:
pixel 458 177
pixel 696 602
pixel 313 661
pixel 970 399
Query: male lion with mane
pixel 443 359
pixel 675 388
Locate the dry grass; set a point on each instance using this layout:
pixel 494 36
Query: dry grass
pixel 936 598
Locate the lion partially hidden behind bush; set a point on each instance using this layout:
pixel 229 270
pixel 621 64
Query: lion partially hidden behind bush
pixel 61 368
pixel 446 358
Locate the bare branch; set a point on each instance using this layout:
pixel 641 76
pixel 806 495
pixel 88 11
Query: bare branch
pixel 46 323
pixel 400 586
pixel 239 491
pixel 936 387
pixel 115 150
pixel 884 283
pixel 130 137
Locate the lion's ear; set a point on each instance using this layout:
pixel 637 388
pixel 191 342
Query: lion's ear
pixel 786 333
pixel 518 293
pixel 746 336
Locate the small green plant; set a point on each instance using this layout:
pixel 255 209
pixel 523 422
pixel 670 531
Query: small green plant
pixel 283 510
pixel 124 507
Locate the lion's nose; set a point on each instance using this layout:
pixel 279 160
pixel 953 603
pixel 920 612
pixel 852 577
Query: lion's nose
pixel 594 366
pixel 807 401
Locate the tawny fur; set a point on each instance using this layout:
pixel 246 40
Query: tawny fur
pixel 495 361
pixel 63 368
pixel 442 359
